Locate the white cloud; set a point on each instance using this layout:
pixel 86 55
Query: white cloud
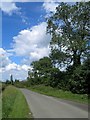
pixel 14 66
pixel 18 71
pixel 11 66
pixel 26 67
pixel 8 67
pixel 21 74
pixel 50 6
pixel 4 58
pixel 40 52
pixel 32 42
pixel 9 7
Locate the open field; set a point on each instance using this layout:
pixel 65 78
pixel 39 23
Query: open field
pixel 14 104
pixel 82 98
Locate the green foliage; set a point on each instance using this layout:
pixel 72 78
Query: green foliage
pixel 8 82
pixel 69 27
pixel 74 79
pixel 54 77
pixel 41 71
pixel 47 90
pixel 3 86
pixel 16 81
pixel 22 84
pixel 80 76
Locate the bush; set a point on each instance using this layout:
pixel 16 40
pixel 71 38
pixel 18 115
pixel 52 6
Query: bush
pixel 3 87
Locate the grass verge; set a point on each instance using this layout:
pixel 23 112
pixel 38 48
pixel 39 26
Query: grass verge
pixel 14 104
pixel 46 90
pixel 0 106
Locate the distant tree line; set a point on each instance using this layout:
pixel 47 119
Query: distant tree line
pixel 11 81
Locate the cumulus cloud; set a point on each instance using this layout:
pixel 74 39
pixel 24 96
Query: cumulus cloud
pixel 17 74
pixel 14 66
pixel 50 6
pixel 9 7
pixel 33 42
pixel 4 58
pixel 18 71
pixel 8 67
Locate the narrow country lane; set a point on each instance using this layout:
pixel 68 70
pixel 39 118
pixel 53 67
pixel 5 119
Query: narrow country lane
pixel 43 106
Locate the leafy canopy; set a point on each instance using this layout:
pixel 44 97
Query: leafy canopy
pixel 69 28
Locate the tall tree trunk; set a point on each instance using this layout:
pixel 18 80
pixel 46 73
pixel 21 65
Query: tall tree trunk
pixel 76 59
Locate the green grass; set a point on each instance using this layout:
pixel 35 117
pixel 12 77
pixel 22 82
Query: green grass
pixel 0 101
pixel 0 106
pixel 59 93
pixel 14 104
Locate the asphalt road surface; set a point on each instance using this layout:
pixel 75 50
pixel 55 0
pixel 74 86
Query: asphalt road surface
pixel 43 106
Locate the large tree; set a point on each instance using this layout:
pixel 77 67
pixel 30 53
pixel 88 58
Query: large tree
pixel 69 28
pixel 41 70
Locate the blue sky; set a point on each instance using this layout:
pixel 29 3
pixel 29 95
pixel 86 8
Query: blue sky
pixel 24 37
pixel 13 24
pixel 33 13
